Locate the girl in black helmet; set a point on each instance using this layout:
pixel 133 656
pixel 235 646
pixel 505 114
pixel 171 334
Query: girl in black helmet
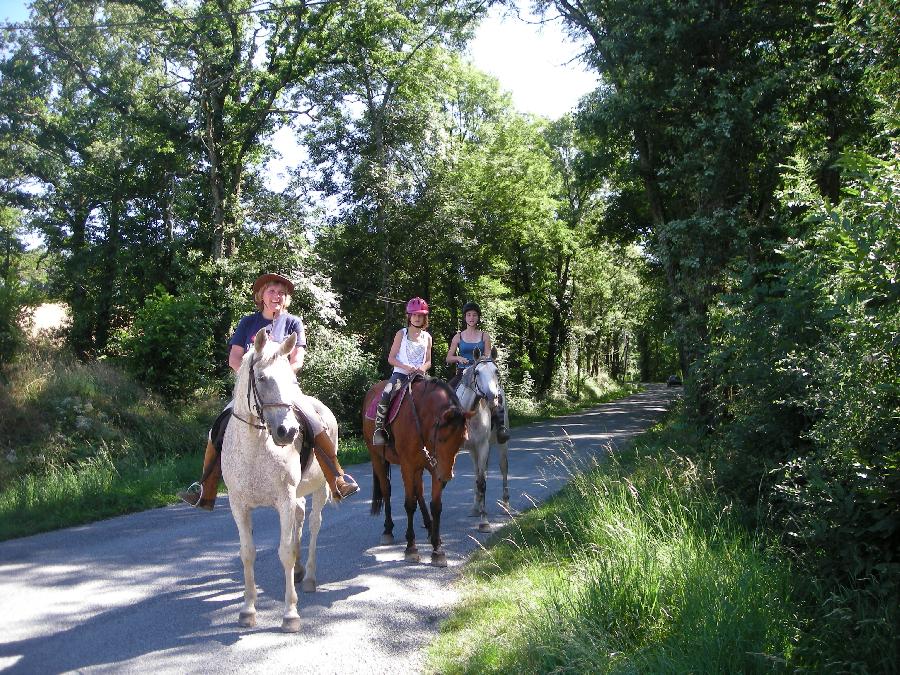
pixel 462 354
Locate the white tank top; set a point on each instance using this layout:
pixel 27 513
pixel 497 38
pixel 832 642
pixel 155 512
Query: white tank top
pixel 412 352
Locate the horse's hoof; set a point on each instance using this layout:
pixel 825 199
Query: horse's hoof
pixel 387 539
pixel 247 619
pixel 412 556
pixel 484 526
pixel 438 559
pixel 290 624
pixel 308 586
pixel 299 573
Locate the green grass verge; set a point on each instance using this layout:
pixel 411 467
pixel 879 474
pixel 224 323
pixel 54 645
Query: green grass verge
pixel 634 567
pixel 95 489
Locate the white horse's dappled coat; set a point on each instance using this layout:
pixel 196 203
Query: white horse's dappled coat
pixel 261 467
pixel 479 390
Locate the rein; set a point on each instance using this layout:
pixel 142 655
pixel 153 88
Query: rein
pixel 432 462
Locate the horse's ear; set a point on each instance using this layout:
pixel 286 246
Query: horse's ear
pixel 288 345
pixel 260 340
pixel 476 353
pixel 493 353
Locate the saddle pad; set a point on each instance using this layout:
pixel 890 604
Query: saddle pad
pixel 396 400
pixel 306 447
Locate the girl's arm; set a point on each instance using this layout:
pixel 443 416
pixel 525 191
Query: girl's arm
pixel 487 344
pixel 395 349
pixel 426 364
pixel 451 353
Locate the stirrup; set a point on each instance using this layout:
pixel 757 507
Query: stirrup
pixel 186 496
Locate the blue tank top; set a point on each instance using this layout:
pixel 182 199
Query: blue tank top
pixel 467 350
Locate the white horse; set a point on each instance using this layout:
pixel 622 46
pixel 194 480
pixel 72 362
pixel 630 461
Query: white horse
pixel 261 466
pixel 479 390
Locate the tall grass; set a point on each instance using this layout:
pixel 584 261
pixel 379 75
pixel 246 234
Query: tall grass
pixel 634 567
pixel 96 488
pixel 82 441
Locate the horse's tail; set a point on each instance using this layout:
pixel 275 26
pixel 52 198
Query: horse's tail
pixel 377 496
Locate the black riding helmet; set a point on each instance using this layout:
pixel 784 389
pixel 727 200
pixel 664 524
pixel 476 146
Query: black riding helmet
pixel 471 307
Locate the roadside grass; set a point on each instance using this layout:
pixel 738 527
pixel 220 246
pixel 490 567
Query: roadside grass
pixel 636 566
pixel 95 489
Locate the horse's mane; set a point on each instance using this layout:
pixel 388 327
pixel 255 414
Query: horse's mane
pixel 446 388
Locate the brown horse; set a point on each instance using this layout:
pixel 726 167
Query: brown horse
pixel 428 430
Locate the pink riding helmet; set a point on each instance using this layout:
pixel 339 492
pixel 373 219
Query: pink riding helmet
pixel 417 306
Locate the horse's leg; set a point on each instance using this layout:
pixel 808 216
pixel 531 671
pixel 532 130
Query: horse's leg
pixel 504 470
pixel 423 507
pixel 387 537
pixel 244 524
pixel 319 497
pixel 481 467
pixel 299 569
pixel 438 556
pixel 410 502
pixel 287 552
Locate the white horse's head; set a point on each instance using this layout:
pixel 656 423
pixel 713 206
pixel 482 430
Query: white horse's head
pixel 482 378
pixel 266 386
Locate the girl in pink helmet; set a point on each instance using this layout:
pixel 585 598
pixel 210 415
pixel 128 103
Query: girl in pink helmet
pixel 410 355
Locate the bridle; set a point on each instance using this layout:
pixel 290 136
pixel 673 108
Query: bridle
pixel 475 387
pixel 257 406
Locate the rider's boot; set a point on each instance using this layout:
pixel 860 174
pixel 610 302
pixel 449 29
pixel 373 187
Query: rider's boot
pixel 342 484
pixel 203 493
pixel 379 438
pixel 499 424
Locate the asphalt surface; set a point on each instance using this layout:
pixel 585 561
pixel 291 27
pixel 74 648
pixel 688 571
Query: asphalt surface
pixel 160 591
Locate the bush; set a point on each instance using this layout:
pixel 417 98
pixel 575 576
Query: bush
pixel 170 346
pixel 338 373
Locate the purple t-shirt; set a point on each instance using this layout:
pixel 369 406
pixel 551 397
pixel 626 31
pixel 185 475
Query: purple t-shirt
pixel 248 327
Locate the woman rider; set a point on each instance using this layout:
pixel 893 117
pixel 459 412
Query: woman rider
pixel 272 295
pixel 462 353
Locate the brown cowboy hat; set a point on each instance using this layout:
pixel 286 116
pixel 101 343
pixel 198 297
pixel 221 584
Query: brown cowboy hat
pixel 272 278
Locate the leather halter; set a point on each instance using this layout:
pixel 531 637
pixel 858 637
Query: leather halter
pixel 257 406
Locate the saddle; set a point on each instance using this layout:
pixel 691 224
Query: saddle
pixel 393 407
pixel 217 435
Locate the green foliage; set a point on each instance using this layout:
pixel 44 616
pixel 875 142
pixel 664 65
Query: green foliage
pixel 338 373
pixel 15 293
pixel 169 344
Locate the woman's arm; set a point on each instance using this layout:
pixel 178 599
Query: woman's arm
pixel 235 356
pixel 451 353
pixel 298 354
pixel 487 343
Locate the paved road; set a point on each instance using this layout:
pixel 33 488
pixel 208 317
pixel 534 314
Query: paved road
pixel 160 591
